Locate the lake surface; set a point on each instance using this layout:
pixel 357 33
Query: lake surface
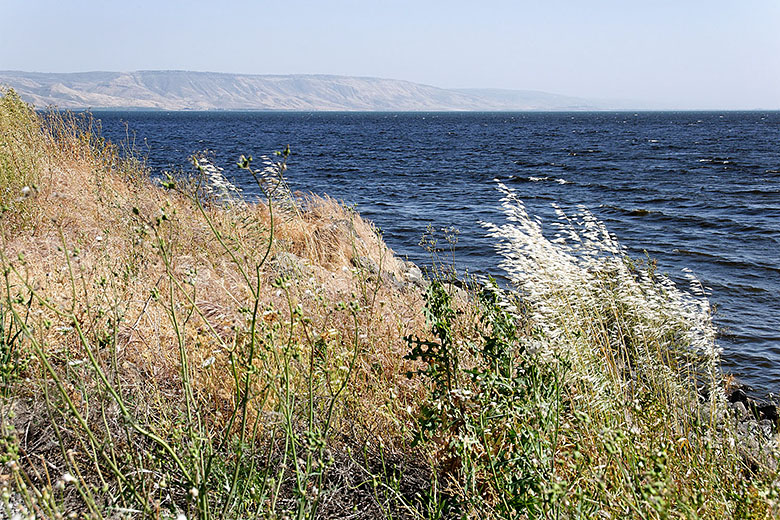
pixel 695 190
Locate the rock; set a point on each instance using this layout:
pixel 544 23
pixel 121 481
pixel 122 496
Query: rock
pixel 766 427
pixel 364 262
pixel 756 423
pixel 392 279
pixel 290 265
pixel 413 275
pixel 744 429
pixel 740 411
pixel 760 410
pixel 456 292
pixel 767 411
pixel 738 396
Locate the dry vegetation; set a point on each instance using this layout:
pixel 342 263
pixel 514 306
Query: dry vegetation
pixel 99 259
pixel 175 352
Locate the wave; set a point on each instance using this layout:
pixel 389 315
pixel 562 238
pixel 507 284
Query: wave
pixel 636 212
pixel 588 151
pixel 729 262
pixel 701 221
pixel 717 160
pixel 532 178
pixel 530 164
pixel 755 192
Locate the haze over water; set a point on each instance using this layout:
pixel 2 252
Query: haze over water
pixel 695 190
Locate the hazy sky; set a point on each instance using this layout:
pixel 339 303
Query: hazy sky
pixel 674 53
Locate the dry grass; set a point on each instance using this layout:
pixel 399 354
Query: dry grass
pixel 89 208
pixel 102 244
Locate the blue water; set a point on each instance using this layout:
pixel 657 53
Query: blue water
pixel 696 190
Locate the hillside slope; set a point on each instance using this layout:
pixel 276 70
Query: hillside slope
pixel 184 90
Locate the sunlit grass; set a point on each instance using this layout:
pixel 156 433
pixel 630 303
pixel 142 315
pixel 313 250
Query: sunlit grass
pixel 177 351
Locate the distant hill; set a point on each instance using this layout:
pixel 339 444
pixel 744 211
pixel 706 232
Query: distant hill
pixel 183 90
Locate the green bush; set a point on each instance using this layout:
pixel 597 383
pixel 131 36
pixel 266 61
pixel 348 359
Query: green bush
pixel 493 406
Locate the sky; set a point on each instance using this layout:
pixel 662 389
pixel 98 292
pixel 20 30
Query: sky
pixel 685 54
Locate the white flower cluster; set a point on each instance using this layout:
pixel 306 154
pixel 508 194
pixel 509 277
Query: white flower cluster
pixel 216 184
pixel 594 306
pixel 273 182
